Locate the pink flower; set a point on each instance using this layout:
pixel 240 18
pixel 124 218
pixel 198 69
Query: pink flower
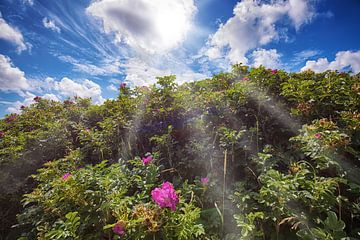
pixel 2 134
pixel 274 71
pixel 68 102
pixel 317 135
pixel 245 79
pixel 119 229
pixel 147 160
pixel 10 118
pixel 66 176
pixel 22 107
pixel 165 196
pixel 123 85
pixel 37 98
pixel 204 180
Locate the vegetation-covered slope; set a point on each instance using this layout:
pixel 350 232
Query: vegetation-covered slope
pixel 251 154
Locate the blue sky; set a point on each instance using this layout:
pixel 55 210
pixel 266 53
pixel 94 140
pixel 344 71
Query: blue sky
pixel 61 49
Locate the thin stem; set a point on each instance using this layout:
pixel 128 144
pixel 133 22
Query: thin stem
pixel 224 188
pixel 339 194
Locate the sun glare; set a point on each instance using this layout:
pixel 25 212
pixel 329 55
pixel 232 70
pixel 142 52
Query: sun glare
pixel 172 27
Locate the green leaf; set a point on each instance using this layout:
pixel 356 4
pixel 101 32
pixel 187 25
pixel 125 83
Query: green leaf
pixel 319 233
pixel 333 223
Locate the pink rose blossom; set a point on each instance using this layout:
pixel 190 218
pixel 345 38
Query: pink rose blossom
pixel 119 229
pixel 274 71
pixel 22 107
pixel 2 134
pixel 68 102
pixel 37 98
pixel 11 118
pixel 204 180
pixel 245 79
pixel 165 196
pixel 317 135
pixel 66 176
pixel 123 85
pixel 147 160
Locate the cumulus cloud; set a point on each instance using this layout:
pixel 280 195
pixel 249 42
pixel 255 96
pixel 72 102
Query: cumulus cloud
pixel 28 100
pixel 11 77
pixel 58 90
pixel 85 89
pixel 268 58
pixel 12 35
pixel 189 76
pixel 343 59
pixel 300 12
pixel 156 26
pixel 142 73
pixel 51 96
pixel 254 24
pixel 50 24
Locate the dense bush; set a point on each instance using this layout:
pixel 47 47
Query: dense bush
pixel 108 201
pixel 251 154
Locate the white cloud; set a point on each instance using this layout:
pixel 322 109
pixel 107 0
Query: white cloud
pixel 28 100
pixel 29 2
pixel 342 60
pixel 152 32
pixel 115 81
pixel 112 87
pixel 304 55
pixel 141 73
pixel 11 34
pixel 58 90
pixel 254 25
pixel 300 12
pixel 86 89
pixel 51 96
pixel 48 83
pixel 106 68
pixel 156 26
pixel 50 24
pixel 268 58
pixel 189 76
pixel 11 77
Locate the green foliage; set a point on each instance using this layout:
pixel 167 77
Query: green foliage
pixel 102 196
pixel 332 228
pixel 65 230
pixel 281 152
